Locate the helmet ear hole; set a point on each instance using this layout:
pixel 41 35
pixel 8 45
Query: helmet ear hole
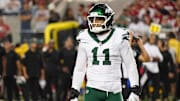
pixel 109 22
pixel 103 26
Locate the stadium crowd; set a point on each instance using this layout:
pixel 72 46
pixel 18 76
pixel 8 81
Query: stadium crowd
pixel 138 18
pixel 44 72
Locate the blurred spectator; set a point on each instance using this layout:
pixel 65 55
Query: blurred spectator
pixel 2 5
pixel 34 6
pixel 173 76
pixel 2 52
pixel 33 72
pixel 135 25
pixel 82 14
pixel 133 11
pixel 139 51
pixel 152 67
pixel 123 19
pixel 166 68
pixel 4 29
pixel 67 59
pixel 177 27
pixel 69 15
pixel 56 2
pixel 156 10
pixel 11 68
pixel 51 57
pixel 140 55
pixel 161 8
pixel 145 24
pixel 172 17
pixel 165 23
pixel 178 6
pixel 169 5
pixel 175 44
pixel 12 7
pixel 40 45
pixel 54 16
pixel 26 17
pixel 146 10
pixel 158 16
pixel 41 18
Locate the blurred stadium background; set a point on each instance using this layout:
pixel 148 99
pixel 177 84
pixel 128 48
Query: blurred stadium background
pixel 45 20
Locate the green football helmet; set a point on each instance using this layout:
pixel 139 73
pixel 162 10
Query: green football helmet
pixel 103 12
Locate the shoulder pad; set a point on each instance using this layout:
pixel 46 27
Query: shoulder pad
pixel 125 36
pixel 83 34
pixel 124 33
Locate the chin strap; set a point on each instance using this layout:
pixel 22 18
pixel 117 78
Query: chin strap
pixel 101 33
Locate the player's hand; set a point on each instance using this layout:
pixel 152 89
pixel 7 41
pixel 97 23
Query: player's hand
pixel 135 92
pixel 74 93
pixel 133 97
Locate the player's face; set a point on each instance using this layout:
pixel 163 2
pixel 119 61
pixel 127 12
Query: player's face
pixel 97 21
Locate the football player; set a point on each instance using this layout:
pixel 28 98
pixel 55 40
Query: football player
pixel 102 49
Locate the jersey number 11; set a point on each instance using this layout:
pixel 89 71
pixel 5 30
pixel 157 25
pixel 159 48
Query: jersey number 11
pixel 105 52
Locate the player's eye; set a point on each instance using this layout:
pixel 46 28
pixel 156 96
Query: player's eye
pixel 96 19
pixel 100 18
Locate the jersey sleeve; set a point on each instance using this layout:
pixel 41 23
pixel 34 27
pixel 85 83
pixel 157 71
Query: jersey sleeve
pixel 80 68
pixel 129 61
pixel 125 35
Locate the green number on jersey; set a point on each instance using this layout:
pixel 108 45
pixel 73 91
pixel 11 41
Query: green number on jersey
pixel 96 61
pixel 106 61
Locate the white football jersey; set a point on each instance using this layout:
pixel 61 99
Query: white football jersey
pixel 104 58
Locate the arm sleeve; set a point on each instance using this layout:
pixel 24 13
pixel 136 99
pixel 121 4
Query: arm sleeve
pixel 159 55
pixel 61 58
pixel 171 63
pixel 129 61
pixel 16 56
pixel 80 68
pixel 24 60
pixel 42 64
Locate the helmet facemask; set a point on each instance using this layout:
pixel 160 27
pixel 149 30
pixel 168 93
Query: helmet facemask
pixel 96 23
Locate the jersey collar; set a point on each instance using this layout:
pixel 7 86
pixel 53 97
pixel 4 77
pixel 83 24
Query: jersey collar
pixel 95 38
